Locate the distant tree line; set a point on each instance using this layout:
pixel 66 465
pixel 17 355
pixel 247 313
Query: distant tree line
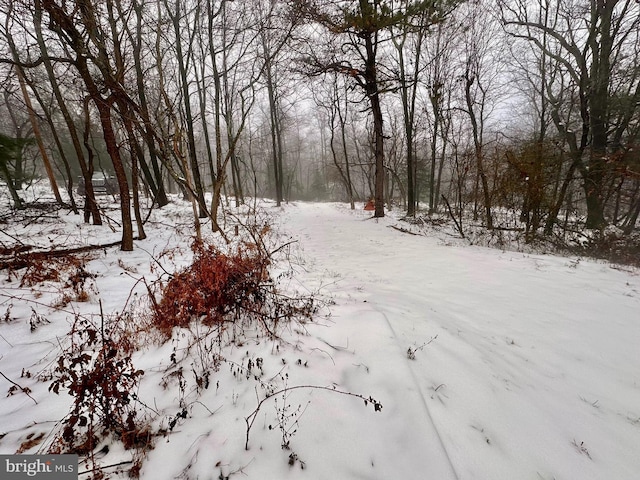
pixel 509 112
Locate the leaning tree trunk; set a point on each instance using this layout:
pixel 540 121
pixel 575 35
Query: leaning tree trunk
pixel 104 109
pixel 91 210
pixel 34 122
pixel 106 122
pixel 58 142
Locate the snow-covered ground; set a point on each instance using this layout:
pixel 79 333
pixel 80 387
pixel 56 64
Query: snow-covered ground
pixel 488 364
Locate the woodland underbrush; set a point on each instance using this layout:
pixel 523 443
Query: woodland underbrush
pixel 510 233
pixel 229 296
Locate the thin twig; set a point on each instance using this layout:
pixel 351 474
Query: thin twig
pixel 281 247
pixel 24 390
pixel 252 416
pixel 3 337
pixel 105 466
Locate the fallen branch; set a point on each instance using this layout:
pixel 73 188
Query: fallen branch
pixel 509 229
pixel 453 217
pixel 403 230
pixel 20 261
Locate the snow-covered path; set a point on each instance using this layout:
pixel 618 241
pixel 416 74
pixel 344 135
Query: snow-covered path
pixel 489 365
pixel 535 371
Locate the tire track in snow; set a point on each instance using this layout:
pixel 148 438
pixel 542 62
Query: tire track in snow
pixel 420 392
pixel 504 350
pixel 328 228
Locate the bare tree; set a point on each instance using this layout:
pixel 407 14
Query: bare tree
pixel 90 205
pixel 414 62
pixel 479 76
pixel 135 34
pixel 90 54
pixel 332 99
pixel 180 20
pixel 361 28
pixel 591 43
pixel 27 100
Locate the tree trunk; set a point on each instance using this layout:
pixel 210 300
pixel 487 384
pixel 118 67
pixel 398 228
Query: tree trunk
pixel 332 137
pixel 34 121
pixel 371 87
pixel 435 103
pixel 408 96
pixel 58 142
pixel 594 176
pixel 186 98
pixel 155 184
pixel 347 167
pixel 477 141
pixel 106 122
pixel 90 205
pixel 217 173
pixel 276 134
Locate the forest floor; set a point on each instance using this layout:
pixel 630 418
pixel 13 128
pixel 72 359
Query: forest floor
pixel 427 357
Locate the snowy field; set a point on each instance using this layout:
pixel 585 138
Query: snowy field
pixel 487 364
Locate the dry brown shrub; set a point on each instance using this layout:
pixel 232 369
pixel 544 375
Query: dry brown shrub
pixel 228 288
pixel 69 268
pixel 38 273
pixel 215 288
pixel 97 371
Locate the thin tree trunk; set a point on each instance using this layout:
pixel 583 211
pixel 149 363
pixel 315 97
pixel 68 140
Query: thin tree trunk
pixel 154 181
pixel 332 146
pixel 477 141
pixel 90 205
pixel 202 96
pixel 347 167
pixel 34 121
pixel 217 173
pixel 56 139
pixel 186 97
pixel 276 134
